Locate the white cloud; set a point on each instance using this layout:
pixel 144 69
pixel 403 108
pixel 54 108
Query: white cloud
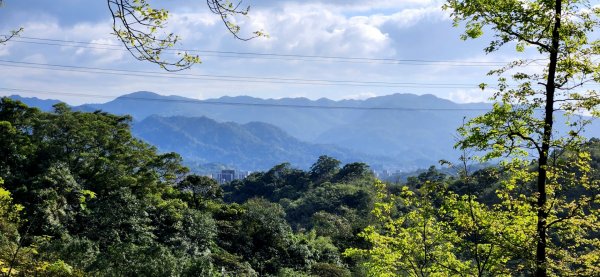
pixel 95 33
pixel 314 29
pixel 49 27
pixel 190 25
pixel 36 58
pixel 356 6
pixel 102 53
pixel 408 17
pixel 352 28
pixel 470 96
pixel 5 49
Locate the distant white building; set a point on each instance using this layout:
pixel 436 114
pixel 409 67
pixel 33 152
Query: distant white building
pixel 228 175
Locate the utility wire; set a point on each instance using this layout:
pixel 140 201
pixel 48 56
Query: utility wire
pixel 232 78
pixel 238 78
pixel 242 55
pixel 214 55
pixel 224 103
pixel 117 47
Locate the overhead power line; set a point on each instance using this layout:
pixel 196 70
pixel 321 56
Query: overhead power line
pixel 238 78
pixel 225 103
pixel 228 78
pixel 259 55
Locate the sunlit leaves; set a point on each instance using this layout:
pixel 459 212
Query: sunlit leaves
pixel 415 237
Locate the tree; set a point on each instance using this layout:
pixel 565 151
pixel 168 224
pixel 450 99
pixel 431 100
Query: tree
pixel 432 231
pixel 17 259
pixel 265 237
pixel 522 120
pixel 415 243
pixel 9 217
pixel 324 169
pixel 352 171
pixel 200 188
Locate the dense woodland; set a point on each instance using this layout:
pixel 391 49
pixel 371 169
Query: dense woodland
pixel 81 196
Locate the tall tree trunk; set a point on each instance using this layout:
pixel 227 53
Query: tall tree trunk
pixel 542 214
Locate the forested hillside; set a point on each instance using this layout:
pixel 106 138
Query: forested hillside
pixel 81 197
pixel 251 146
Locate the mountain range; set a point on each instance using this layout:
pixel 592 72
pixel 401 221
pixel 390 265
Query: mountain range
pixel 398 131
pixel 254 145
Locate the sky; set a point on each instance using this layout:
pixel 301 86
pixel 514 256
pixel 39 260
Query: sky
pixel 373 38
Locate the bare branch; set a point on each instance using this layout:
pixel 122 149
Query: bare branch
pixel 12 34
pixel 138 26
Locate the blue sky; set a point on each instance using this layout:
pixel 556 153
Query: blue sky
pixel 378 29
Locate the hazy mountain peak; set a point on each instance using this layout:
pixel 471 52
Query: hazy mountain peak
pixel 152 95
pixel 145 94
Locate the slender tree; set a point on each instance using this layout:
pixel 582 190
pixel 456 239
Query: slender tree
pixel 523 119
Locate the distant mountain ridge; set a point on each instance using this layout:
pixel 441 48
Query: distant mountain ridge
pixel 419 132
pixel 42 104
pixel 405 131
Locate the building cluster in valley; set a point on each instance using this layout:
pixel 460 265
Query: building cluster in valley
pixel 228 175
pixel 386 174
